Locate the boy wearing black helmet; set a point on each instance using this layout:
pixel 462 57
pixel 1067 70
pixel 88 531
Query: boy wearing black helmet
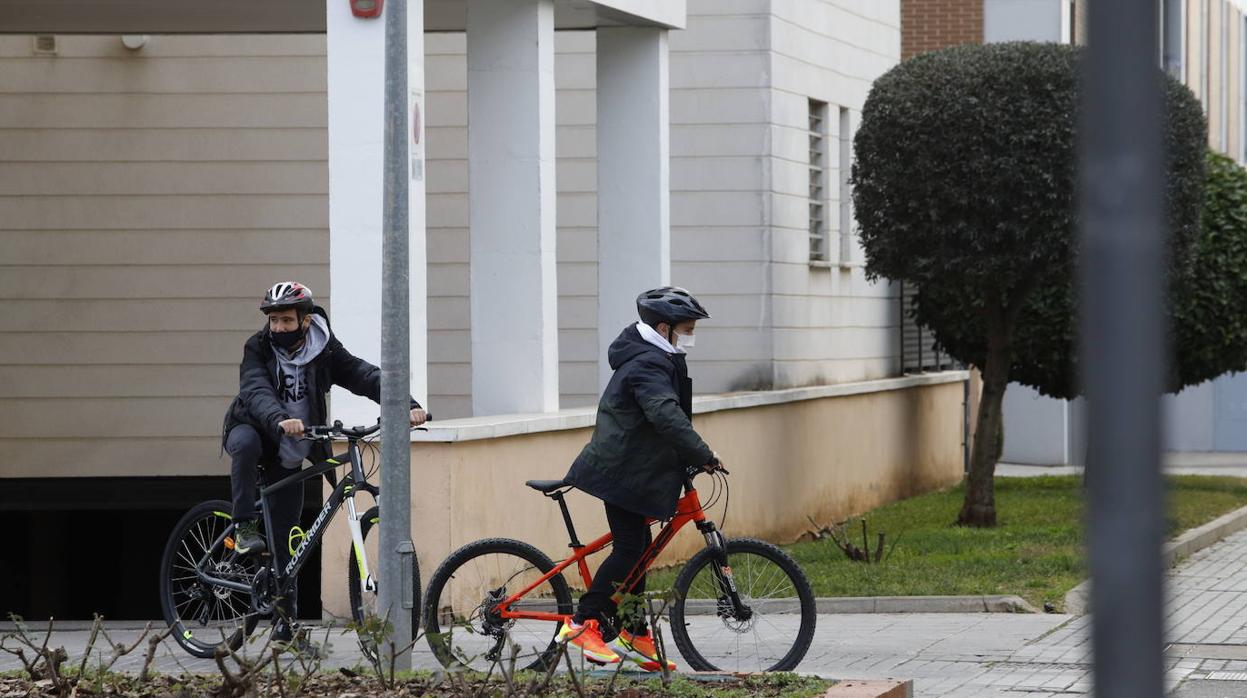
pixel 287 368
pixel 642 444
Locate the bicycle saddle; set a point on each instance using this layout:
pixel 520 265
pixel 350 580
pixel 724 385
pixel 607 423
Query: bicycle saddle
pixel 546 486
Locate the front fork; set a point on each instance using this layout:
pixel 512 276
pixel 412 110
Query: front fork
pixel 366 582
pixel 730 603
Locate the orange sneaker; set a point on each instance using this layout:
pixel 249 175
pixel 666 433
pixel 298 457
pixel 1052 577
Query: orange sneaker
pixel 640 649
pixel 588 637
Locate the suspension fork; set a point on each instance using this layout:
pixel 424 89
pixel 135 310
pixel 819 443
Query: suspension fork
pixel 353 517
pixel 722 571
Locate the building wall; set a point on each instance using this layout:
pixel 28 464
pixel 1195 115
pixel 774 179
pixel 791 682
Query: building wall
pixel 741 76
pixel 826 459
pixel 830 324
pixel 720 214
pixel 932 24
pixel 147 200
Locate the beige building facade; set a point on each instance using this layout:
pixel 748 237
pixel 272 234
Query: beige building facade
pixel 149 195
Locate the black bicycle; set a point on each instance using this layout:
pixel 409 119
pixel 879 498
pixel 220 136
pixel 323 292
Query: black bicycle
pixel 210 593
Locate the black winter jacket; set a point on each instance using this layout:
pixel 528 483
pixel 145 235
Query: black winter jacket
pixel 644 437
pixel 257 403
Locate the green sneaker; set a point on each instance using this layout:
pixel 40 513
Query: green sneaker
pixel 247 538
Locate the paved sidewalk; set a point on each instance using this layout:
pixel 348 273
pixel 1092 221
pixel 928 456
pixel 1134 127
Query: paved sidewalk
pixel 1175 463
pixel 964 655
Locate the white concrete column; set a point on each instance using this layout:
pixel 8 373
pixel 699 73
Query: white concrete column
pixel 634 188
pixel 356 65
pixel 511 194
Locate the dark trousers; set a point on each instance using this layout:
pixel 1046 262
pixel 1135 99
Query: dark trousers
pixel 631 537
pixel 285 505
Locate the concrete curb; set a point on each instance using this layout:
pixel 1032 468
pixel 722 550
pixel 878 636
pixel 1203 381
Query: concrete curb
pixel 925 604
pixel 1185 545
pixel 888 688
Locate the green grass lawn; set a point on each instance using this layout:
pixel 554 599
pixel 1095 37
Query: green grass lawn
pixel 1036 552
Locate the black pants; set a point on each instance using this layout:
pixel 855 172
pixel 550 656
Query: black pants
pixel 631 538
pixel 285 505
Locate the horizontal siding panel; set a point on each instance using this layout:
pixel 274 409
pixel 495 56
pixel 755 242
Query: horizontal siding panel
pixel 157 347
pixel 112 456
pixel 450 379
pixel 153 178
pixel 450 346
pixel 728 69
pixel 123 74
pixel 151 282
pixel 163 212
pixel 577 279
pixel 164 111
pixel 789 374
pixel 448 245
pixel 577 244
pixel 718 174
pixel 712 106
pixel 180 145
pixel 171 46
pixel 299 247
pixel 127 315
pixel 718 140
pixel 834 343
pixel 451 406
pixel 194 415
pixel 578 346
pixel 722 33
pixel 717 208
pixel 118 381
pixel 448 279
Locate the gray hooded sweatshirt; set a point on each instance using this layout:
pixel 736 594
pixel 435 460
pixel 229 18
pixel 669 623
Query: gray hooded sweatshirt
pixel 293 388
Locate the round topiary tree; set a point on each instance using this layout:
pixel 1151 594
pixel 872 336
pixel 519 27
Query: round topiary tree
pixel 1209 324
pixel 964 185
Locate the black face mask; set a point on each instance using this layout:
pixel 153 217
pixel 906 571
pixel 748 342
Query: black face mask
pixel 288 340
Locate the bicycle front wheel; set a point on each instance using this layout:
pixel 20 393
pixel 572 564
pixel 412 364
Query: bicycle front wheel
pixel 772 628
pixel 203 615
pixel 460 619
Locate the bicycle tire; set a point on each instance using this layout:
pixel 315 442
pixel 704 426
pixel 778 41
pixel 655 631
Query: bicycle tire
pixel 358 612
pixel 441 639
pixel 194 532
pixel 744 576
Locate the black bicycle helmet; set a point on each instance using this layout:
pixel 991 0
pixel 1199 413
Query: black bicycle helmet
pixel 287 294
pixel 669 304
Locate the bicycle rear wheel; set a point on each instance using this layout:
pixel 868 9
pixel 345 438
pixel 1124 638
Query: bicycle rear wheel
pixel 773 631
pixel 459 617
pixel 202 614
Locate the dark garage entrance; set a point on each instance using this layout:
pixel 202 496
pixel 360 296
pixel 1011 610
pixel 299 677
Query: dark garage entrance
pixel 74 547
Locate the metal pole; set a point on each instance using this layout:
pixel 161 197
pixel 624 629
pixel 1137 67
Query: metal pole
pixel 396 548
pixel 1123 272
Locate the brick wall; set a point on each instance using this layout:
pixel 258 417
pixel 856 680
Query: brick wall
pixel 930 24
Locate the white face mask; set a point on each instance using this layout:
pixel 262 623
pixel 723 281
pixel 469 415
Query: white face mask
pixel 685 341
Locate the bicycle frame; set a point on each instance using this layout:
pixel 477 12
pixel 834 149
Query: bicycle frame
pixel 343 492
pixel 688 510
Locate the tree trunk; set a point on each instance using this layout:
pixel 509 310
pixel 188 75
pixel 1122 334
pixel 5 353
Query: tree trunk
pixel 979 508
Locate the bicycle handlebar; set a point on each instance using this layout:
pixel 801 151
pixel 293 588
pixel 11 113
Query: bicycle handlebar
pixel 696 470
pixel 328 431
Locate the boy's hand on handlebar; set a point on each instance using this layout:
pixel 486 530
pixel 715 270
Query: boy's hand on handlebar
pixel 418 417
pixel 292 427
pixel 714 464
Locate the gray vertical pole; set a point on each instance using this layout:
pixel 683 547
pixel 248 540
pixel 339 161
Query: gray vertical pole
pixel 394 584
pixel 1123 346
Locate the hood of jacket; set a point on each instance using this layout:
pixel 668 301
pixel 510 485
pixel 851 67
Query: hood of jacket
pixel 629 345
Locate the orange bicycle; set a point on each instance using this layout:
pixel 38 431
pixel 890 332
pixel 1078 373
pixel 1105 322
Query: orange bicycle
pixel 739 604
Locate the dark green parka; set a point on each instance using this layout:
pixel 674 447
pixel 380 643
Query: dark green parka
pixel 644 438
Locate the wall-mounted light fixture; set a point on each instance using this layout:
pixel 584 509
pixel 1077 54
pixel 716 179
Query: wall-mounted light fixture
pixel 134 42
